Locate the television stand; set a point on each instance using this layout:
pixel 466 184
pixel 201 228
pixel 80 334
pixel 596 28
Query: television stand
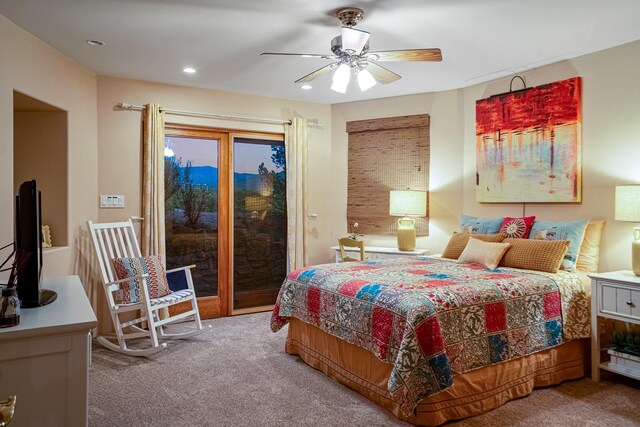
pixel 45 359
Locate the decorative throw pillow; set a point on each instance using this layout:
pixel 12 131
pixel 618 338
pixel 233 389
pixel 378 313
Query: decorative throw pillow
pixel 573 231
pixel 487 254
pixel 589 254
pixel 476 225
pixel 458 242
pixel 157 284
pixel 539 255
pixel 517 227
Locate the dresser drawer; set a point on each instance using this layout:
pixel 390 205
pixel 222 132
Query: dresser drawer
pixel 619 300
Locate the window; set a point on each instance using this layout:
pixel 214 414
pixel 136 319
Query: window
pixel 386 154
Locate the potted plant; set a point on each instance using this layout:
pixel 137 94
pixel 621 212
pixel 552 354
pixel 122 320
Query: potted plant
pixel 625 350
pixel 353 231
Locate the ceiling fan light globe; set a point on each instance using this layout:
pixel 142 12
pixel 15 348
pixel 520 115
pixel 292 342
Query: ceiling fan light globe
pixel 353 41
pixel 365 80
pixel 341 79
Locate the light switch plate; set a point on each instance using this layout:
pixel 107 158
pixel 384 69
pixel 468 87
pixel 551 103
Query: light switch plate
pixel 108 201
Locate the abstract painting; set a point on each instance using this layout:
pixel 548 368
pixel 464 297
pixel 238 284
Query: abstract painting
pixel 528 146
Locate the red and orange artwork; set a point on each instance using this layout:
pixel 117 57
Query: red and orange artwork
pixel 528 145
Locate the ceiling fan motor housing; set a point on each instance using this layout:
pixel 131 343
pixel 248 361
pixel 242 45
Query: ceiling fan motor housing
pixel 350 16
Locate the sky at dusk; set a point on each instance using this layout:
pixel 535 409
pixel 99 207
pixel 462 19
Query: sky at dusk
pixel 203 152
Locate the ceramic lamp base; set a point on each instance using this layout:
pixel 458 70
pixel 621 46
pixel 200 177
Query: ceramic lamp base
pixel 635 251
pixel 406 234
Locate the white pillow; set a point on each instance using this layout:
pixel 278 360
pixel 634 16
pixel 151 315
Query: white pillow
pixel 487 254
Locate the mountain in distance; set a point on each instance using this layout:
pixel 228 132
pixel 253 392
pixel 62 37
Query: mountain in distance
pixel 208 175
pixel 203 175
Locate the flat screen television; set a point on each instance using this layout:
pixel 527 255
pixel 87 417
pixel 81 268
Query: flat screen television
pixel 29 242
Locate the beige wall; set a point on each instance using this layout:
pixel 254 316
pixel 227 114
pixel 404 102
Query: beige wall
pixel 33 68
pixel 445 192
pixel 610 143
pixel 610 149
pixel 40 153
pixel 119 136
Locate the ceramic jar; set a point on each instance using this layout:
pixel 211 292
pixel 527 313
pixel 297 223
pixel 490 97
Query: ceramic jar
pixel 9 308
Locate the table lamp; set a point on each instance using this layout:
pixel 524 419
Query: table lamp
pixel 407 203
pixel 257 205
pixel 628 209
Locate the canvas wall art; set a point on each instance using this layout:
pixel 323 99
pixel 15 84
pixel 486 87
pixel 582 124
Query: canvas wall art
pixel 528 146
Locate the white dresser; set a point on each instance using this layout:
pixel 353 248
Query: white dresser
pixel 379 252
pixel 44 360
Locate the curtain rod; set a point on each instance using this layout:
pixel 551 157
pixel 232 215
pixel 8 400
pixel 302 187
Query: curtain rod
pixel 133 107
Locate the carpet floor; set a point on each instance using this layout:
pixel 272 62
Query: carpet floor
pixel 238 374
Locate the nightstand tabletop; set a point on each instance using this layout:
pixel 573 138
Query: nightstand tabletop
pixel 623 276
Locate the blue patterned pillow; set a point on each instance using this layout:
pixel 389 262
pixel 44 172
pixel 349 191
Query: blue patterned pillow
pixel 476 225
pixel 573 231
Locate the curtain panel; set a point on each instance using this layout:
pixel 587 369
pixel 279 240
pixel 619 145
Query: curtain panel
pixel 296 152
pixel 152 237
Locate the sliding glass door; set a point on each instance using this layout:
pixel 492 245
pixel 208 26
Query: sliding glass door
pixel 259 222
pixel 226 217
pixel 196 211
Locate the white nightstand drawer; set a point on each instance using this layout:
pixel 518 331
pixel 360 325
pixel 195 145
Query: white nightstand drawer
pixel 385 256
pixel 355 254
pixel 377 252
pixel 619 300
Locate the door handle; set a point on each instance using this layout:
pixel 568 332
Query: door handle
pixel 7 408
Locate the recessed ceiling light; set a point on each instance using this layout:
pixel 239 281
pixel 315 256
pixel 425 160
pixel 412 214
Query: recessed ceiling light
pixel 306 87
pixel 189 70
pixel 96 42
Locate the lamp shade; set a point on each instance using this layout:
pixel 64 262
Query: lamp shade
pixel 627 203
pixel 365 80
pixel 341 79
pixel 408 203
pixel 256 203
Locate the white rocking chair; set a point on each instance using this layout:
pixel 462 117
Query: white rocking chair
pixel 118 240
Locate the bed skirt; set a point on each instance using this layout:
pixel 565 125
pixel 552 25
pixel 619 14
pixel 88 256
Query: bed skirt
pixel 472 393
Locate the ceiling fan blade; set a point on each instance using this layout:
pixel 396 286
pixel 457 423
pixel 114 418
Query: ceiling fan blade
pixel 302 55
pixel 317 73
pixel 381 74
pixel 354 40
pixel 434 55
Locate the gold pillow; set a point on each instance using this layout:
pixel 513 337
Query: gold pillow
pixel 589 254
pixel 539 255
pixel 458 242
pixel 484 253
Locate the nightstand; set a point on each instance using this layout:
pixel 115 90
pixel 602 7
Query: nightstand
pixel 614 295
pixel 372 253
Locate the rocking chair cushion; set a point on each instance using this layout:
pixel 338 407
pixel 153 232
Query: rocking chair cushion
pixel 157 284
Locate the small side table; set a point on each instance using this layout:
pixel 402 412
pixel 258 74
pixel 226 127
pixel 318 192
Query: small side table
pixel 614 295
pixel 379 252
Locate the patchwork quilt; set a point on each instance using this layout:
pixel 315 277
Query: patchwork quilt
pixel 433 318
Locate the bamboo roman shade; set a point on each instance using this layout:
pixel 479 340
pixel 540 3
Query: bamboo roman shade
pixel 386 154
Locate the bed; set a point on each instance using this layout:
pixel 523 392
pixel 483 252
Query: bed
pixel 434 339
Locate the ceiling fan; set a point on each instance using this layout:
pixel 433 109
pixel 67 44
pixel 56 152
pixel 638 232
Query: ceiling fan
pixel 351 55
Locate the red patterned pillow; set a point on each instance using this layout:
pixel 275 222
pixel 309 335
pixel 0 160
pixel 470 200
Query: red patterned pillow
pixel 516 228
pixel 157 284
